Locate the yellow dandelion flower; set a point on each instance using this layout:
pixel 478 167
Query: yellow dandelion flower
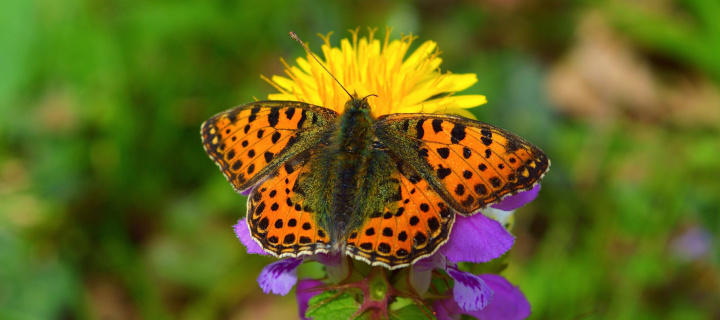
pixel 366 66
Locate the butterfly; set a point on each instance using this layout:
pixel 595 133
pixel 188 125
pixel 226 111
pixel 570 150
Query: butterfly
pixel 383 190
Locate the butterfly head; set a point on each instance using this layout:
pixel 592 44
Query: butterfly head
pixel 355 103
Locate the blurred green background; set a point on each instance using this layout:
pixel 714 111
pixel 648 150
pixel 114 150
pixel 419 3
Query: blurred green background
pixel 110 209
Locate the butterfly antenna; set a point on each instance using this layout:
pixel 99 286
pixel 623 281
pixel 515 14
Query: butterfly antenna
pixel 295 36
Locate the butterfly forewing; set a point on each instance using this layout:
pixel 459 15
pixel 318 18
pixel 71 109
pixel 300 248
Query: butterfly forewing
pixel 249 141
pixel 470 163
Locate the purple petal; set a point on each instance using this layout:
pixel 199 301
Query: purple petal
pixel 420 280
pixel 435 261
pixel 246 192
pixel 421 271
pixel 279 277
pixel 305 292
pixel 476 239
pixel 509 302
pixel 447 309
pixel 518 200
pixel 336 266
pixel 243 233
pixel 328 259
pixel 470 291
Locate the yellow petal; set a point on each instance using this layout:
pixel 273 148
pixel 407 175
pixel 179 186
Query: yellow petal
pixel 366 65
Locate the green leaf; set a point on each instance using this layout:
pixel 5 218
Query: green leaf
pixel 332 305
pixel 412 311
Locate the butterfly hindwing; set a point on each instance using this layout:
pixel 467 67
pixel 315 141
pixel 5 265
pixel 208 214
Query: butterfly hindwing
pixel 413 223
pixel 279 217
pixel 249 141
pixel 470 163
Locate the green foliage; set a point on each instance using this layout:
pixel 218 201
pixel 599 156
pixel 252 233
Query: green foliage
pixel 412 311
pixel 688 34
pixel 331 305
pixel 109 205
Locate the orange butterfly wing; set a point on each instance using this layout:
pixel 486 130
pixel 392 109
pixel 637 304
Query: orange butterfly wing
pixel 414 223
pixel 249 141
pixel 278 216
pixel 471 164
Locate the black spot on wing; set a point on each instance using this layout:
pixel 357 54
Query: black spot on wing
pixel 443 172
pixel 420 132
pixel 414 220
pixel 437 125
pixel 232 116
pixel 290 112
pixel 303 117
pixel 434 224
pixel 443 152
pixel 495 181
pixel 467 153
pixel 237 165
pixel 387 232
pixel 423 152
pixel 402 236
pixel 457 133
pixel 486 141
pixel 511 146
pixel 264 223
pixel 274 116
pixel 481 189
pixel 419 239
pixel 268 156
pixel 275 137
pixel 289 168
pixel 486 133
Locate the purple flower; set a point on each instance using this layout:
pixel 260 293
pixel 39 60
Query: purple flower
pixel 242 230
pixel 305 292
pixel 470 291
pixel 280 276
pixel 518 200
pixel 508 302
pixel 478 238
